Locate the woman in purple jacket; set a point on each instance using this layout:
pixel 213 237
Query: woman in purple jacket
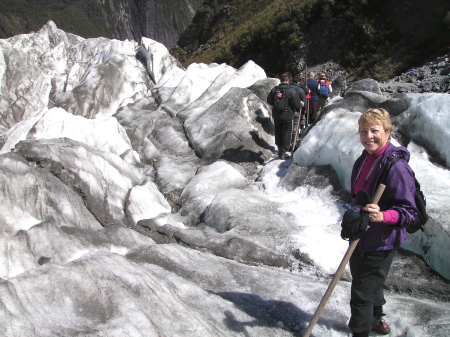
pixel 372 258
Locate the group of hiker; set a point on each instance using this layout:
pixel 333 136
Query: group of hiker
pixel 296 103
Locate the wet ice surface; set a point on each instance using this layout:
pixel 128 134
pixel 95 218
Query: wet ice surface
pixel 144 209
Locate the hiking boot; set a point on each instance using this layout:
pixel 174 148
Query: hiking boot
pixel 380 326
pixel 284 155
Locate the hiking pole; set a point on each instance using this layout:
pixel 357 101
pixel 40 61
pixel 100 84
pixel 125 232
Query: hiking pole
pixel 339 271
pixel 307 100
pixel 307 112
pixel 297 128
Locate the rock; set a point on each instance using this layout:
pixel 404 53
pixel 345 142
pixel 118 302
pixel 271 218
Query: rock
pixel 367 84
pixel 336 74
pixel 431 77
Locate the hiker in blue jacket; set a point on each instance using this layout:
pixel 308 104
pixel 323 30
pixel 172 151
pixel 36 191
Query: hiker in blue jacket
pixel 312 85
pixel 325 91
pixel 373 256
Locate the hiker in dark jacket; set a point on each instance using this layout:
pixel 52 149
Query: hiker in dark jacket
pixel 312 85
pixel 283 117
pixel 301 91
pixel 302 84
pixel 373 256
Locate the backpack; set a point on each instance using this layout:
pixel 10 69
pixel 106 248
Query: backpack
pixel 280 101
pixel 324 91
pixel 421 203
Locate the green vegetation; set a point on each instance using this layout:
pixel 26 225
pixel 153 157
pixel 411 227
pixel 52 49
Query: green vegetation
pixel 239 31
pixel 376 39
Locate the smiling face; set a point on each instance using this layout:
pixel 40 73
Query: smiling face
pixel 373 137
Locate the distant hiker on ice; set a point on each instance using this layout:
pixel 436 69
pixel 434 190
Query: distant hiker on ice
pixel 285 101
pixel 325 91
pixel 302 91
pixel 389 219
pixel 299 118
pixel 313 86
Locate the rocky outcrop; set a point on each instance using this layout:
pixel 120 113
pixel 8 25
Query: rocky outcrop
pixel 431 77
pixel 160 20
pixel 434 76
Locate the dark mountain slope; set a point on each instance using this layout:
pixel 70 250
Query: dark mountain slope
pixel 161 20
pixel 369 38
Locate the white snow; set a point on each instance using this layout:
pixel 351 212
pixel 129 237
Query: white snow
pixel 110 280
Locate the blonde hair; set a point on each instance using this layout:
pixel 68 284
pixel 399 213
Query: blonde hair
pixel 375 116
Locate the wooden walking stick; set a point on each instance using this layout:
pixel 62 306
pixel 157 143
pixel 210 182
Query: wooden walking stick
pixel 307 100
pixel 297 128
pixel 339 272
pixel 307 112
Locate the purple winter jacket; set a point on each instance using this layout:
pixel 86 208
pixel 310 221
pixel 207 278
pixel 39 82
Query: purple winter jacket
pixel 398 195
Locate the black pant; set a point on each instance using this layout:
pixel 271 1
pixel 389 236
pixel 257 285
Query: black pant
pixel 312 113
pixel 369 272
pixel 283 134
